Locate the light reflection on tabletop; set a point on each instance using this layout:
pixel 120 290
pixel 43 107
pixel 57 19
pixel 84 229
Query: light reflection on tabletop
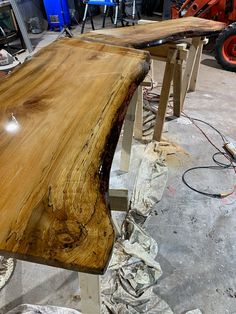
pixel 12 126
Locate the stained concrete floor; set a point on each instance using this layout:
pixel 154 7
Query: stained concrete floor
pixel 196 234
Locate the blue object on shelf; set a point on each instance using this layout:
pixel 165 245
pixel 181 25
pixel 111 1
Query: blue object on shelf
pixel 58 13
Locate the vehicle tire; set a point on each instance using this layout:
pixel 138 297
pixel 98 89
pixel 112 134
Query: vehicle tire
pixel 225 48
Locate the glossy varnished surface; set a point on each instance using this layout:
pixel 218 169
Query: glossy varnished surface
pixel 69 102
pixel 146 35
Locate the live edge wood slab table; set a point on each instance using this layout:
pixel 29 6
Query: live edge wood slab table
pixel 153 34
pixel 68 104
pixel 159 38
pixel 60 118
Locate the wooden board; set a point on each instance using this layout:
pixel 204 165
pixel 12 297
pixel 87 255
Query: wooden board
pixel 69 102
pixel 150 34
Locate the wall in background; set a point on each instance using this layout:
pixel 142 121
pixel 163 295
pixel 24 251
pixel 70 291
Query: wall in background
pixel 31 8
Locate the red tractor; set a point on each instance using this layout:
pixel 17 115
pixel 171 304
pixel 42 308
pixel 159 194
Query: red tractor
pixel 219 10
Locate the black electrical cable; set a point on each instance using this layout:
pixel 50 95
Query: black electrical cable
pixel 214 195
pixel 219 165
pixel 150 96
pixel 224 139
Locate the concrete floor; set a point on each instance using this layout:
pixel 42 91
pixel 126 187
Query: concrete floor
pixel 196 234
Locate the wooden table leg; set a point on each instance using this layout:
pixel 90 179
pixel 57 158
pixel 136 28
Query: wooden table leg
pixel 165 92
pixel 118 199
pixel 90 293
pixel 177 88
pixel 128 134
pixel 194 77
pixel 193 51
pixel 138 123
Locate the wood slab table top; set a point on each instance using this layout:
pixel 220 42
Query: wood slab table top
pixel 60 119
pixel 150 34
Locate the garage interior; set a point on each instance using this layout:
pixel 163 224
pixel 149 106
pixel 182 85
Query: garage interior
pixel 174 249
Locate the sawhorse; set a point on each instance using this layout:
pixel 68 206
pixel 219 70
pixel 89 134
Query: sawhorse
pixel 174 54
pixel 181 83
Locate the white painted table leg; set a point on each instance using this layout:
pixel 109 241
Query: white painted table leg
pixel 193 51
pixel 193 81
pixel 138 124
pixel 90 293
pixel 128 134
pixel 165 92
pixel 177 88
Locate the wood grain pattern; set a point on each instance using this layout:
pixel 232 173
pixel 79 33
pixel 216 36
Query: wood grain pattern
pixel 147 35
pixel 69 101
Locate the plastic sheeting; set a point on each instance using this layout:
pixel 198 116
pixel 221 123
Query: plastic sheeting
pixel 38 309
pixel 7 266
pixel 151 181
pixel 127 287
pixel 128 284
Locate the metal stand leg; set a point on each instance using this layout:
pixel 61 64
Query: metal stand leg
pixel 91 18
pixel 84 18
pixel 138 14
pixel 104 16
pixel 116 15
pixel 111 17
pixel 122 12
pixel 133 12
pixel 67 32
